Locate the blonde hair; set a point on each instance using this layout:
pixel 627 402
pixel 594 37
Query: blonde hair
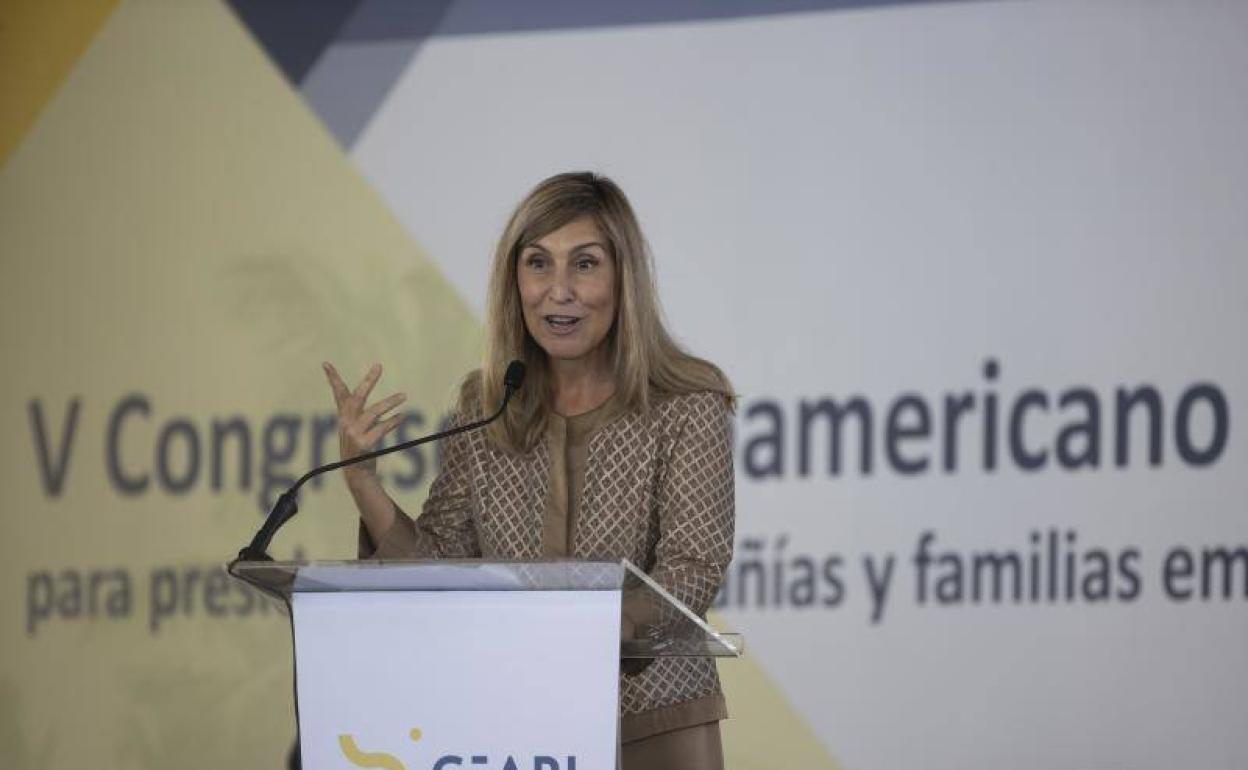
pixel 647 362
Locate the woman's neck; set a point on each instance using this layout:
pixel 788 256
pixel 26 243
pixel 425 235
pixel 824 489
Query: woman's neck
pixel 580 386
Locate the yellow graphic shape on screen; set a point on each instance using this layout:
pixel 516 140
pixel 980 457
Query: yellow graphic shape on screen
pixel 373 759
pixel 179 227
pixel 764 731
pixel 39 42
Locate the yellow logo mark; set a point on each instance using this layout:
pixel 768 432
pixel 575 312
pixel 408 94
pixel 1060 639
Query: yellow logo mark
pixel 379 760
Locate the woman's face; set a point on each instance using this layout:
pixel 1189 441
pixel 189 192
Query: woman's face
pixel 567 290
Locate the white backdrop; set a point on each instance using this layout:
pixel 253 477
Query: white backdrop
pixel 877 202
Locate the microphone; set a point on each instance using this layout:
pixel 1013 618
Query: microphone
pixel 287 504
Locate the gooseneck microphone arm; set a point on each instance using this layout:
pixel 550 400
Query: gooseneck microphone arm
pixel 287 504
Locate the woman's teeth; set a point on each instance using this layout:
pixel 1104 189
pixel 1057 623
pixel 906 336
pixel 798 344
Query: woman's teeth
pixel 561 320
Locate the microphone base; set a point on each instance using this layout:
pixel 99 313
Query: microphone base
pixel 252 554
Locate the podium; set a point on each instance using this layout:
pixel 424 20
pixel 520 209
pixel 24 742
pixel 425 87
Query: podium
pixel 470 664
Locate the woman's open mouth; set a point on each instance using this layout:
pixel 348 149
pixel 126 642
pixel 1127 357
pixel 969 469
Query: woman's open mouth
pixel 561 324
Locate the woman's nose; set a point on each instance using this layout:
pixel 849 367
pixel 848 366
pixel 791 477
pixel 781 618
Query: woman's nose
pixel 561 289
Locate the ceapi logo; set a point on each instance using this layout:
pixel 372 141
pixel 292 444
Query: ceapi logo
pixel 380 760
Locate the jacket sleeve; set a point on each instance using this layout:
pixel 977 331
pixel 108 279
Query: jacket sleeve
pixel 696 505
pixel 445 526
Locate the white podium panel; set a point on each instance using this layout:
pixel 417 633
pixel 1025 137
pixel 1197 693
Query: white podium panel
pixel 462 663
pixel 492 680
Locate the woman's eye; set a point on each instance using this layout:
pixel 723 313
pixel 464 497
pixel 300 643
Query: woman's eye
pixel 586 263
pixel 535 262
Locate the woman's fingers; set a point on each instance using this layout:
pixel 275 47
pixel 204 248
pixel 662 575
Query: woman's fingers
pixel 341 392
pixel 381 407
pixel 379 430
pixel 366 385
pixel 360 428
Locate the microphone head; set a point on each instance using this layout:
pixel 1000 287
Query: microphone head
pixel 514 377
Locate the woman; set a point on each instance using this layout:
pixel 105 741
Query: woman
pixel 619 439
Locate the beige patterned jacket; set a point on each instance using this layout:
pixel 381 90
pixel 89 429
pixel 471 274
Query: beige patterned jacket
pixel 658 491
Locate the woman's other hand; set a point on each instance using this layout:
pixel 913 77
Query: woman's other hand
pixel 360 426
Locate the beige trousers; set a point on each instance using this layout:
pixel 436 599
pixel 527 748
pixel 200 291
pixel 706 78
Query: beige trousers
pixel 690 748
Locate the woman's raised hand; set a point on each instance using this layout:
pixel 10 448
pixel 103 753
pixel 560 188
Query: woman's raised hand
pixel 361 427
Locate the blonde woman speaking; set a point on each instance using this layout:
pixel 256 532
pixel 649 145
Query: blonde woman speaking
pixel 617 447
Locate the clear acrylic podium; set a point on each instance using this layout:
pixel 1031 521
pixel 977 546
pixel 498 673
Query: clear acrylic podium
pixel 464 663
